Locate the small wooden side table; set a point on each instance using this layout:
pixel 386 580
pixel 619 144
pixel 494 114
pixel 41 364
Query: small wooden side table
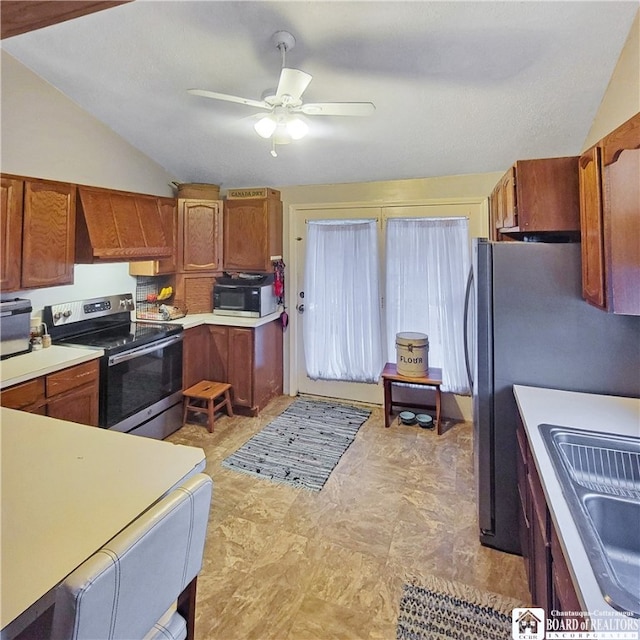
pixel 432 379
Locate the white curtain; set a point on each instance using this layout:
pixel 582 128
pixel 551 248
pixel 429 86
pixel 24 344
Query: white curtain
pixel 342 335
pixel 427 263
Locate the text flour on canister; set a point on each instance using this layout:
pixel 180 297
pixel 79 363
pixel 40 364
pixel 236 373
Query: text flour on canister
pixel 412 354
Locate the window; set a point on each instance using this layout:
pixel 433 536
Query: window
pixel 427 263
pixel 342 335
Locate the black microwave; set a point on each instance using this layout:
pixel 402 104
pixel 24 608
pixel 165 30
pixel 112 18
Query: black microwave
pixel 245 299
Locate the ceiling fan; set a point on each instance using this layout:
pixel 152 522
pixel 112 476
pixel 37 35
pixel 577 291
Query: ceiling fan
pixel 284 122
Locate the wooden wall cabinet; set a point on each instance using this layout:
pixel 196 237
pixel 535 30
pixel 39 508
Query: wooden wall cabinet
pixel 200 235
pixel 253 233
pixel 194 292
pixel 502 203
pixel 38 233
pixel 610 220
pixel 163 266
pixel 69 394
pixel 549 579
pixel 251 361
pixel 199 253
pixel 537 196
pixel 11 191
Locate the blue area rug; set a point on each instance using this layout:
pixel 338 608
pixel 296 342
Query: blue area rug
pixel 302 446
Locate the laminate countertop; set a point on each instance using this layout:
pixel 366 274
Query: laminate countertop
pixel 67 489
pixel 196 319
pixel 40 363
pixel 591 412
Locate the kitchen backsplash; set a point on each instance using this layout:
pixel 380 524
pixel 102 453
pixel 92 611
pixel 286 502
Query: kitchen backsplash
pixel 90 281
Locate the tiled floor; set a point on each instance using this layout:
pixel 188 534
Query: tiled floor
pixel 284 563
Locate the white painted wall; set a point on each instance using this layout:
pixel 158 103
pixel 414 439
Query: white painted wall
pixel 621 101
pixel 46 135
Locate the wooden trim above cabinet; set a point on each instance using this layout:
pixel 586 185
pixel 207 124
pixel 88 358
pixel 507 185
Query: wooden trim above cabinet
pixel 626 136
pixel 118 226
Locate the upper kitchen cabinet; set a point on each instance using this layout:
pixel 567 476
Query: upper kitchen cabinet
pixel 610 218
pixel 252 231
pixel 117 226
pixel 537 196
pixel 169 217
pixel 38 229
pixel 11 225
pixel 199 235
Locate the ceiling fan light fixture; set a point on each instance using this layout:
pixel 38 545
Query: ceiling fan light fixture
pixel 265 127
pixel 297 128
pixel 281 135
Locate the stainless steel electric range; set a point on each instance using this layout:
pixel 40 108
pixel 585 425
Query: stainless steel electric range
pixel 141 370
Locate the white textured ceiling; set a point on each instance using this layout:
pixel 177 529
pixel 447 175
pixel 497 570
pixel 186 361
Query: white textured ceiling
pixel 459 87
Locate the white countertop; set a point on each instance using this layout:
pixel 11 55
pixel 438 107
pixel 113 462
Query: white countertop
pixel 40 363
pixel 196 319
pixel 67 489
pixel 591 412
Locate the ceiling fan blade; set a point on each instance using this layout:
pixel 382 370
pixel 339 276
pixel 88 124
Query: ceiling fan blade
pixel 337 108
pixel 260 104
pixel 292 83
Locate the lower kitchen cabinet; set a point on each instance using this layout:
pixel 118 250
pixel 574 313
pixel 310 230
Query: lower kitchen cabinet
pixel 549 579
pixel 70 394
pixel 195 356
pixel 250 359
pixel 563 595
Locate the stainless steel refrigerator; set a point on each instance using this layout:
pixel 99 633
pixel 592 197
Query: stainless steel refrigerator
pixel 526 323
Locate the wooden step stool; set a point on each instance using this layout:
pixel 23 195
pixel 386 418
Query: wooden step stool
pixel 204 395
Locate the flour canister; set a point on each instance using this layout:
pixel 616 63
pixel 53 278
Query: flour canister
pixel 412 354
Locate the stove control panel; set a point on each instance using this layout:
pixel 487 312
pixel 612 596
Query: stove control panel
pixel 95 307
pixel 71 312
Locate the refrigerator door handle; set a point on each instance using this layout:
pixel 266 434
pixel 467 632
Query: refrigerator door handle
pixel 467 355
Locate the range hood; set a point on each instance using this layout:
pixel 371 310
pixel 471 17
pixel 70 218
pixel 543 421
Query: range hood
pixel 118 226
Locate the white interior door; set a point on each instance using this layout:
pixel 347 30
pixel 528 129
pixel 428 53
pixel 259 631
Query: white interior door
pixel 362 392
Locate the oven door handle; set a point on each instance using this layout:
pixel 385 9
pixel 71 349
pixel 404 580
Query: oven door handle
pixel 144 350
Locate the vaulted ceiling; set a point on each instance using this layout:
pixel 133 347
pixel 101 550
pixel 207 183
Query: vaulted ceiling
pixel 459 87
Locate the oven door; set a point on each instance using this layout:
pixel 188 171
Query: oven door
pixel 139 378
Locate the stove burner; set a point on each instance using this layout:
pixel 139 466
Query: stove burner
pixel 102 323
pixel 114 339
